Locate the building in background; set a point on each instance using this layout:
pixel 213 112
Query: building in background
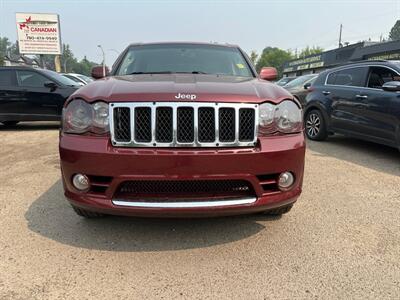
pixel 20 60
pixel 332 58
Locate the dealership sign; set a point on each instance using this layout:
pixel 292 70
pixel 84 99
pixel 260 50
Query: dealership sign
pixel 38 33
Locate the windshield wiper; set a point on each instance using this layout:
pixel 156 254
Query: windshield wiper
pixel 161 72
pixel 193 72
pixel 168 72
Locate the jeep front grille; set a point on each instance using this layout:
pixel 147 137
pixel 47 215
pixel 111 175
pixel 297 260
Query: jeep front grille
pixel 183 124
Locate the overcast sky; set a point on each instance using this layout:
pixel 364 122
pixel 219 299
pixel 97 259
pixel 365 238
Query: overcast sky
pixel 287 24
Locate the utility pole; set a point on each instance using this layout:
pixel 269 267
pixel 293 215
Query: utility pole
pixel 42 62
pixel 340 36
pixel 104 60
pixel 65 65
pixel 57 63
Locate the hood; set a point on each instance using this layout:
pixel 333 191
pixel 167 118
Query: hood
pixel 167 87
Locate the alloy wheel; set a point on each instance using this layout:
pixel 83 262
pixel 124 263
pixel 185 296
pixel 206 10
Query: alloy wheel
pixel 313 125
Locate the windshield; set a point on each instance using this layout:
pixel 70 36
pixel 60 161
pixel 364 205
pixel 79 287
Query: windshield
pixel 184 58
pixel 300 81
pixel 72 78
pixel 59 78
pixel 284 81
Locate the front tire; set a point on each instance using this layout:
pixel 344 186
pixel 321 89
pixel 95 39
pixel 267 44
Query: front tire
pixel 10 123
pixel 86 213
pixel 315 125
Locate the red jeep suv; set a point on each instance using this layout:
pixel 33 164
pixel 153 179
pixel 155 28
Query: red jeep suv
pixel 182 129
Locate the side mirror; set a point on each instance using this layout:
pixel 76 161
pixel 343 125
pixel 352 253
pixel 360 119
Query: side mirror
pixel 51 85
pixel 391 86
pixel 307 85
pixel 99 72
pixel 268 73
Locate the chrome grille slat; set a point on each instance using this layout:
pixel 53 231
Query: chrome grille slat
pixel 206 124
pixel 156 132
pixel 164 125
pixel 185 133
pixel 227 124
pixel 122 127
pixel 144 130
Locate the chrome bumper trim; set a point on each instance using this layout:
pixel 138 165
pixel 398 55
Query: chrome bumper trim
pixel 197 204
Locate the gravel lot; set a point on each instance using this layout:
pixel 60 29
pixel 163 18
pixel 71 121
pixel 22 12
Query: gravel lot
pixel 341 240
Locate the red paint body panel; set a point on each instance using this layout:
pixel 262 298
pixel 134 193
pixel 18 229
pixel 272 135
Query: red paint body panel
pixel 164 87
pixel 96 156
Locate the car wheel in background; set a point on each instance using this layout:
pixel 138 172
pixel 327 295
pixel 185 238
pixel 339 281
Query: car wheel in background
pixel 315 125
pixel 10 123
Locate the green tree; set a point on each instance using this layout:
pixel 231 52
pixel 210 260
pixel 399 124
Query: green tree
pixel 274 57
pixel 84 66
pixel 70 63
pixel 4 47
pixel 253 56
pixel 14 49
pixel 67 59
pixel 394 34
pixel 48 61
pixel 310 51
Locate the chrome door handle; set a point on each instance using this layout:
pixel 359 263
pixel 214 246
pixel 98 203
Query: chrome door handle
pixel 362 96
pixel 326 93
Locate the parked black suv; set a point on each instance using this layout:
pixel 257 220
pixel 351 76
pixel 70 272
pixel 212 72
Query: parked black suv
pixel 28 94
pixel 360 100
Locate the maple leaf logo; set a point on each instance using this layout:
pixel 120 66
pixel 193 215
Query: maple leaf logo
pixel 25 24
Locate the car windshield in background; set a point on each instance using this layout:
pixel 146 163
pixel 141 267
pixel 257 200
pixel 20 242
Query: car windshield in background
pixel 184 58
pixel 72 78
pixel 284 81
pixel 300 81
pixel 85 78
pixel 60 78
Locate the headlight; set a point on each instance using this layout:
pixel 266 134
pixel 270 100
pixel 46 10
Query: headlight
pixel 266 118
pixel 80 116
pixel 100 117
pixel 77 116
pixel 286 117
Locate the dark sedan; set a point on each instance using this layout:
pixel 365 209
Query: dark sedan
pixel 359 100
pixel 28 94
pixel 299 87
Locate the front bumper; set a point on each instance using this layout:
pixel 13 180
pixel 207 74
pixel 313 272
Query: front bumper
pixel 96 157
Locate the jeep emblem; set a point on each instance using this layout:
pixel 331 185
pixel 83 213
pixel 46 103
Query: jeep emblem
pixel 185 96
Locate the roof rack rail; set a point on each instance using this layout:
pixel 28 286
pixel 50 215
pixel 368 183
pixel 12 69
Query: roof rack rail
pixel 359 62
pixel 365 61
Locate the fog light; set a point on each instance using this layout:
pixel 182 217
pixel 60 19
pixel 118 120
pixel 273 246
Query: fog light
pixel 286 180
pixel 80 182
